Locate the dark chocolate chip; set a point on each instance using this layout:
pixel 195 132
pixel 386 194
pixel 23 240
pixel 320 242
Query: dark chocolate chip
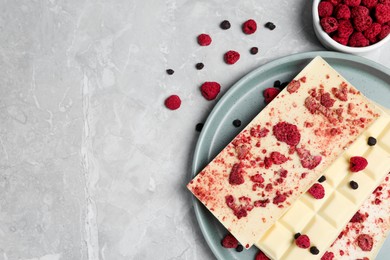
pixel 199 127
pixel 283 85
pixel 237 123
pixel 270 26
pixel 254 50
pixel 371 141
pixel 199 66
pixel 239 248
pixel 353 185
pixel 170 71
pixel 225 25
pixel 297 235
pixel 322 179
pixel 314 250
pixel 277 84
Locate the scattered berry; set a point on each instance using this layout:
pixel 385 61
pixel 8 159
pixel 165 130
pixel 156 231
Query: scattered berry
pixel 269 94
pixel 170 71
pixel 371 141
pixel 382 13
pixel 210 90
pixel 354 185
pixel 322 179
pixel 317 191
pixel 229 241
pixel 352 2
pixel 270 26
pixel 314 250
pixel 204 39
pixel 231 57
pixel 286 132
pixel 199 66
pixel 199 127
pixel 239 248
pixel 362 23
pixel 254 50
pixel 357 39
pixel 261 256
pixel 327 256
pixel 297 235
pixel 345 29
pixel 173 102
pixel 325 9
pixel 365 242
pixel 357 163
pixel 342 12
pixel 237 123
pixel 384 32
pixel 303 241
pixel 225 25
pixel 249 27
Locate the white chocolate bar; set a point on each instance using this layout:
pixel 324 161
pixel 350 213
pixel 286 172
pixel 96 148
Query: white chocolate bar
pixel 283 151
pixel 323 219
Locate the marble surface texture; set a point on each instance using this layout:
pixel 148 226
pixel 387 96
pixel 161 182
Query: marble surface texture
pixel 92 165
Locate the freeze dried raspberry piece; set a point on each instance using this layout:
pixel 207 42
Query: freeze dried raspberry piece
pixel 269 94
pixel 231 57
pixel 261 203
pixel 372 32
pixel 362 23
pixel 317 191
pixel 329 24
pixel 341 40
pixel 236 175
pixel 204 39
pixel 308 161
pixel 261 256
pixel 210 90
pixel 293 86
pixel 278 158
pixel 382 13
pixel 173 102
pixel 286 132
pixel 345 29
pixel 328 256
pixel 359 11
pixel 325 9
pixel 369 3
pixel 365 242
pixel 342 12
pixel 384 32
pixel 242 151
pixel 249 27
pixel 257 178
pixel 229 241
pixel 303 241
pixel 357 163
pixel 357 218
pixel 357 39
pixel 326 100
pixel 352 2
pixel 385 2
pixel 279 198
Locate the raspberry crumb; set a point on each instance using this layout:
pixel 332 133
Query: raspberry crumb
pixel 204 39
pixel 278 158
pixel 210 90
pixel 257 178
pixel 365 242
pixel 286 132
pixel 317 191
pixel 261 256
pixel 308 161
pixel 326 100
pixel 229 241
pixel 236 175
pixel 357 163
pixel 249 27
pixel 173 102
pixel 327 256
pixel 231 57
pixel 269 94
pixel 293 86
pixel 357 218
pixel 279 198
pixel 303 241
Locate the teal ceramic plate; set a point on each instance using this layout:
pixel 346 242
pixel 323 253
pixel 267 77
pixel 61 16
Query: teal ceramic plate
pixel 244 101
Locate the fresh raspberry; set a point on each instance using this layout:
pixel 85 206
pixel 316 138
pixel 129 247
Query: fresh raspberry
pixel 365 242
pixel 286 132
pixel 229 241
pixel 362 23
pixel 357 163
pixel 341 40
pixel 352 2
pixel 327 256
pixel 249 26
pixel 269 94
pixel 293 86
pixel 359 11
pixel 261 256
pixel 231 57
pixel 382 13
pixel 357 39
pixel 308 161
pixel 325 9
pixel 369 3
pixel 317 191
pixel 345 29
pixel 173 102
pixel 372 32
pixel 204 39
pixel 329 24
pixel 335 2
pixel 303 241
pixel 236 175
pixel 279 198
pixel 210 90
pixel 342 12
pixel 357 218
pixel 278 158
pixel 385 2
pixel 384 32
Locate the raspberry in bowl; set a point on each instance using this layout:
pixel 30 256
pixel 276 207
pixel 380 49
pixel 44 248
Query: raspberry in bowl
pixel 352 26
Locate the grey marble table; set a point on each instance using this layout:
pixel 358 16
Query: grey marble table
pixel 92 165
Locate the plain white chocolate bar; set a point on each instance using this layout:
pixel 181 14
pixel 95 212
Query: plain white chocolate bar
pixel 322 220
pixel 283 151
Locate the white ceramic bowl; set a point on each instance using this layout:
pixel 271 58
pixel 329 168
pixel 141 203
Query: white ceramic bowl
pixel 329 43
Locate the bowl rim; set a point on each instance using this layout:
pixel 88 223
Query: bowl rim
pixel 322 34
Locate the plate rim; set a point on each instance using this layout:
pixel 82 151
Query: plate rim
pixel 242 80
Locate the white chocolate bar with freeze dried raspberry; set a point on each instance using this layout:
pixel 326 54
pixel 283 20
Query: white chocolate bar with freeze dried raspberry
pixel 283 151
